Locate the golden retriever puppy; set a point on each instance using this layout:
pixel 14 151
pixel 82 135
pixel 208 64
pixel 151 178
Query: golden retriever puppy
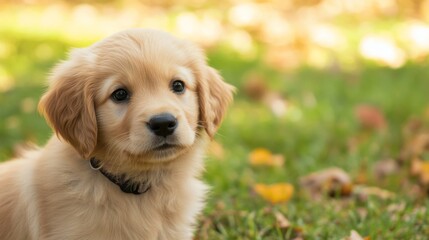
pixel 131 114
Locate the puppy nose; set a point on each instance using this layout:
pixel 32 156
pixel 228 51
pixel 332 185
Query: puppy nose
pixel 163 124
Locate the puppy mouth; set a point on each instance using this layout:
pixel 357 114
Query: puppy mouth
pixel 161 152
pixel 164 146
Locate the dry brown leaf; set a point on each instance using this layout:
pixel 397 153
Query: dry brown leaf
pixel 262 156
pixel 331 181
pixel 370 117
pixel 419 144
pixel 416 166
pixel 255 86
pixel 415 147
pixel 385 168
pixel 284 224
pixel 396 208
pixel 281 221
pixel 354 235
pixel 364 192
pixel 345 190
pixel 275 193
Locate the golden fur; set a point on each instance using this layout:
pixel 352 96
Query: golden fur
pixel 52 193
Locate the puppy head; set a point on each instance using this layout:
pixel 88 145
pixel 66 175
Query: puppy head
pixel 139 94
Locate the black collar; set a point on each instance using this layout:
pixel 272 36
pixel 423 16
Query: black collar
pixel 126 185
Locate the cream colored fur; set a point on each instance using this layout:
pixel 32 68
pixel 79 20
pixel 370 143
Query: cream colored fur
pixel 52 193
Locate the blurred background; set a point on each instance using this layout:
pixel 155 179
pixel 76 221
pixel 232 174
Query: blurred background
pixel 329 129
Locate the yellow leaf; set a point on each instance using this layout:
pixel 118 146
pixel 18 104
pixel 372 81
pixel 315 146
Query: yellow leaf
pixel 275 193
pixel 262 156
pixel 420 169
pixel 424 175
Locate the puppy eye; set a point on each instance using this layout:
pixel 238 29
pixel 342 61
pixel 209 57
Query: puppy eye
pixel 120 95
pixel 178 86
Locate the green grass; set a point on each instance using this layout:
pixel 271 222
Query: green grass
pixel 319 139
pixel 310 137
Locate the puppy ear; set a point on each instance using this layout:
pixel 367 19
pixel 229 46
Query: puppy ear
pixel 214 97
pixel 68 106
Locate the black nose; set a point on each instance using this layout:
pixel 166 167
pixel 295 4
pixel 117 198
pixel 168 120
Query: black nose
pixel 163 124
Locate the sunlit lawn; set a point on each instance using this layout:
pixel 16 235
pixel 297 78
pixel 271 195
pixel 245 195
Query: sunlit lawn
pixel 320 137
pixel 318 130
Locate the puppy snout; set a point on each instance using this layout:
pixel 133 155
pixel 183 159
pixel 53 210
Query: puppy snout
pixel 163 124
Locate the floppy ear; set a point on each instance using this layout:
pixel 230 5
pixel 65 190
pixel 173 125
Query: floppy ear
pixel 214 97
pixel 68 106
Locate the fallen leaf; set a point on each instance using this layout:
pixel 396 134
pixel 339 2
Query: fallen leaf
pixel 419 144
pixel 416 166
pixel 356 236
pixel 345 190
pixel 281 221
pixel 284 225
pixel 396 208
pixel 420 169
pixel 415 147
pixel 370 117
pixel 255 86
pixel 385 168
pixel 364 192
pixel 275 193
pixel 424 174
pixel 332 181
pixel 262 156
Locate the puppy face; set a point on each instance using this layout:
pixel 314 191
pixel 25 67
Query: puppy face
pixel 139 94
pixel 150 110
